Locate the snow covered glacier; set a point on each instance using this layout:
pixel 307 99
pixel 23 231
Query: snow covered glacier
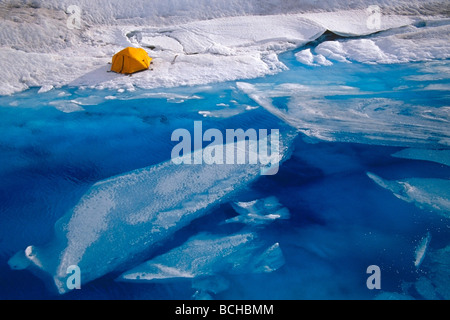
pixel 367 148
pixel 198 42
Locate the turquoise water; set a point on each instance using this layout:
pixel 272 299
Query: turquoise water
pixel 55 145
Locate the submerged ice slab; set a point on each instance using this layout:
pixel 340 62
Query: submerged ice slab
pixel 438 156
pixel 206 255
pixel 122 218
pixel 439 271
pixel 434 284
pixel 421 250
pixel 332 112
pixel 259 212
pixel 430 194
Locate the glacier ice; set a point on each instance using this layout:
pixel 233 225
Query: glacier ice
pixel 166 12
pixel 438 271
pixel 419 44
pixel 421 250
pixel 439 156
pixel 425 193
pixel 210 284
pixel 48 55
pixel 432 284
pixel 202 295
pixel 259 212
pixel 318 111
pixel 120 219
pixel 426 288
pixel 393 296
pixel 308 58
pixel 206 255
pixel 173 31
pixel 19 261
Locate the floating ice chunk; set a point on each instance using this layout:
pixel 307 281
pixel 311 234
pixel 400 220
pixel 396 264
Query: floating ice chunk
pixel 422 249
pixel 63 93
pixel 120 219
pixel 45 88
pixel 431 194
pixel 88 101
pixel 438 156
pixel 66 106
pixel 170 97
pixel 257 212
pixel 205 255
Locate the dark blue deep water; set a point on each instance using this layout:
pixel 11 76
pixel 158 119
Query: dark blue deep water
pixel 55 145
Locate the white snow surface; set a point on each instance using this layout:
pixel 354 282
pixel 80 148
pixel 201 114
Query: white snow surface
pixel 410 44
pixel 192 41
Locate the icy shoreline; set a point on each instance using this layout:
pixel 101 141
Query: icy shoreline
pixel 47 54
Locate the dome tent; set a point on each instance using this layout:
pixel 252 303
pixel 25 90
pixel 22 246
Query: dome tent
pixel 130 60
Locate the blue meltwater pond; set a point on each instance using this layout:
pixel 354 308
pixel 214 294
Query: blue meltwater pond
pixel 366 183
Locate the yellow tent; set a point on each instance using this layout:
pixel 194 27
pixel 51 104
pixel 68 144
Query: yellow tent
pixel 130 60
